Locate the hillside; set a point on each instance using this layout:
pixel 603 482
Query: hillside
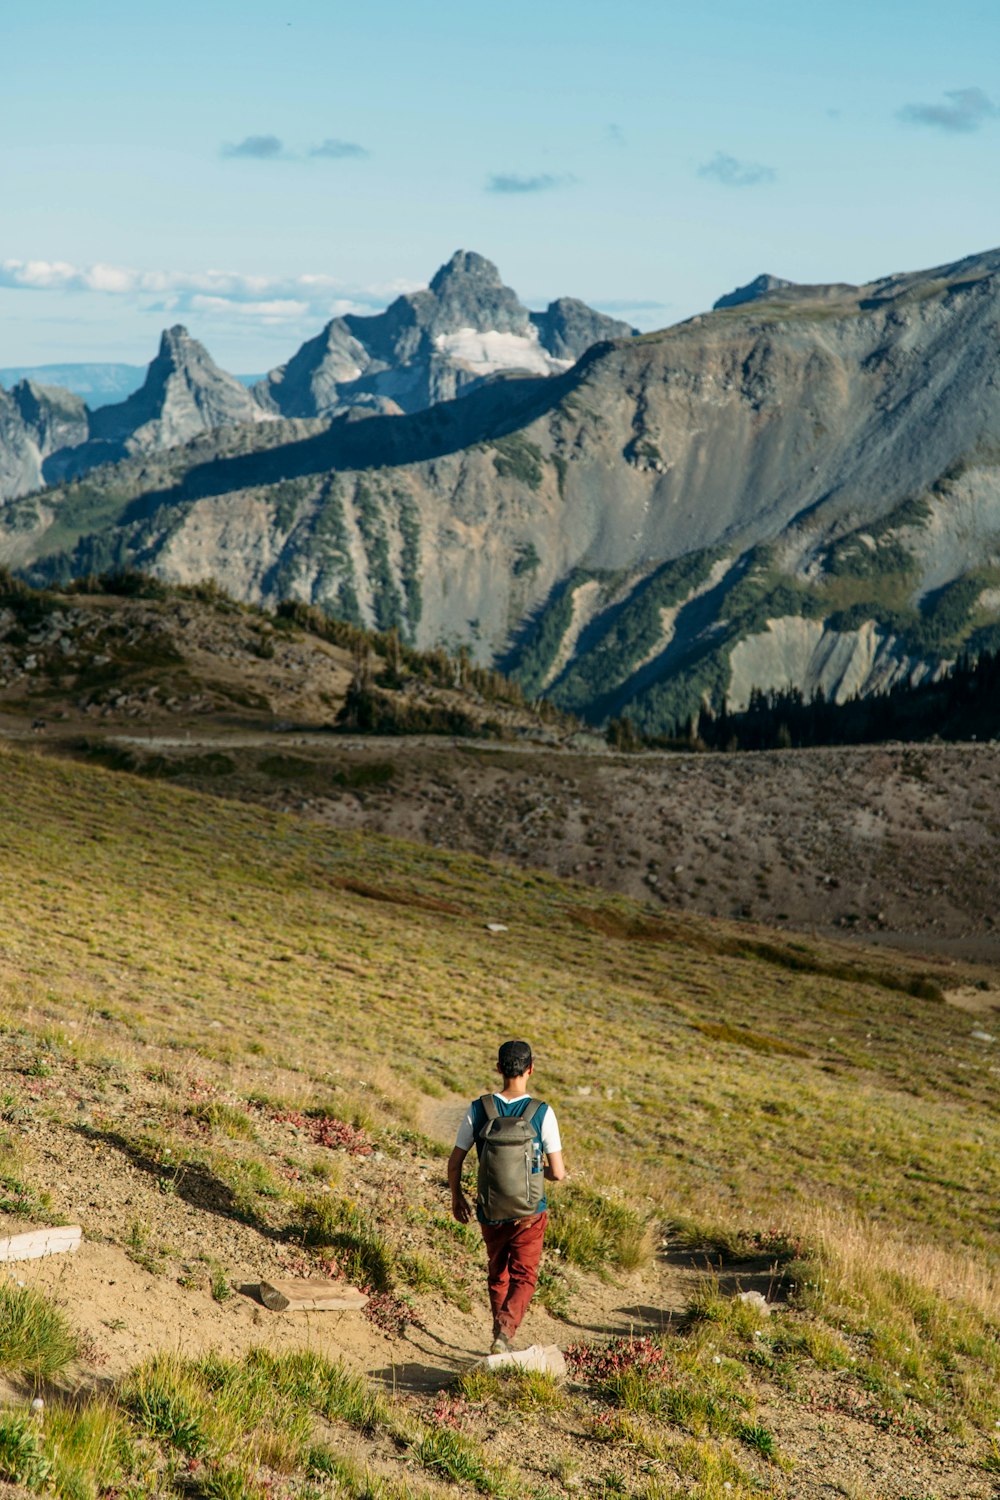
pixel 893 842
pixel 126 652
pixel 235 1043
pixel 799 490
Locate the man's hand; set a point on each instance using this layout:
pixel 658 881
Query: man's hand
pixel 461 1208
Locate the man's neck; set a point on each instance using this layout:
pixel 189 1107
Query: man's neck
pixel 513 1088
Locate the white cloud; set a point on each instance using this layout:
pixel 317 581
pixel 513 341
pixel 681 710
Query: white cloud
pixel 280 309
pixel 272 299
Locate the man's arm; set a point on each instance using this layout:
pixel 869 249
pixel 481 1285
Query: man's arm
pixel 555 1169
pixel 460 1206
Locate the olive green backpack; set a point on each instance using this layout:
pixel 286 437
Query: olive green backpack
pixel 511 1182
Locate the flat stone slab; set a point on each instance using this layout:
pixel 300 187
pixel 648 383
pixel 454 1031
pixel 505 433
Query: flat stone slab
pixel 310 1296
pixel 38 1242
pixel 547 1358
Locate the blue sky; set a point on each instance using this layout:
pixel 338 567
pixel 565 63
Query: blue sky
pixel 249 169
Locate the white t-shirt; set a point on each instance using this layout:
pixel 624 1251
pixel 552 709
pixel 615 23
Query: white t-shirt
pixel 465 1139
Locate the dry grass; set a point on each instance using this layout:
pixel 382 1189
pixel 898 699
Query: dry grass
pixel 856 1252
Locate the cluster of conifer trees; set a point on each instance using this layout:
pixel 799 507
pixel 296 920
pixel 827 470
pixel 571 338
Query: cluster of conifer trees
pixel 962 704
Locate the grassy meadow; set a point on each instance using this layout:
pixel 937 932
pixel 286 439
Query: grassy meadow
pixel 183 978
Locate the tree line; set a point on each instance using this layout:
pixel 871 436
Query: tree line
pixel 963 703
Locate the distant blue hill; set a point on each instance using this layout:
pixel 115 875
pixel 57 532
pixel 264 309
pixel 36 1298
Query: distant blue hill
pixel 98 384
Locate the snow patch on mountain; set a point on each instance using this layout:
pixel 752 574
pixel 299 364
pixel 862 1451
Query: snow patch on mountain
pixel 490 352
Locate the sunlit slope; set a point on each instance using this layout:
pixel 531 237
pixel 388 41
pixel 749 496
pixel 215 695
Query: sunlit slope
pixel 694 1065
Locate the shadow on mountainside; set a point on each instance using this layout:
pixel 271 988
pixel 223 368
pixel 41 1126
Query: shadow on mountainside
pixel 370 442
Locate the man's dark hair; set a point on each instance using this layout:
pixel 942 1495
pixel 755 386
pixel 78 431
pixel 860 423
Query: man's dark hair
pixel 514 1059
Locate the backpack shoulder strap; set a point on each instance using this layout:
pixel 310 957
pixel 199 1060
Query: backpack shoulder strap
pixel 536 1114
pixel 489 1107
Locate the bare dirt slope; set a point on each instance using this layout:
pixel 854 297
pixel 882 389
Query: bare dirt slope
pixel 895 843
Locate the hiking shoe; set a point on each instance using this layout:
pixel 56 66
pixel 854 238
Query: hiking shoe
pixel 500 1344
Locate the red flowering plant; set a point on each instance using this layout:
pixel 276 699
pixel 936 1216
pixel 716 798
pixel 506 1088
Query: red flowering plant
pixel 391 1314
pixel 326 1130
pixel 628 1372
pixel 599 1363
pixel 450 1411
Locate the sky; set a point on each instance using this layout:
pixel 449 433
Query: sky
pixel 252 169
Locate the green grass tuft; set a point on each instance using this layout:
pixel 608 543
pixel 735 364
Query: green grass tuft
pixel 35 1339
pixel 592 1231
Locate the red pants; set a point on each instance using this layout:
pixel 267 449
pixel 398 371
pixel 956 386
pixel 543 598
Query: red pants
pixel 513 1251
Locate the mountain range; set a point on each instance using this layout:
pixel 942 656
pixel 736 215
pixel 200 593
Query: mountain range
pixel 427 346
pixel 800 488
pixel 97 383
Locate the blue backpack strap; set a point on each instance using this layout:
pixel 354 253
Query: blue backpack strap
pixel 537 1116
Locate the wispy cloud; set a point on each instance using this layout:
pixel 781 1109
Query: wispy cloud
pixel 208 293
pixel 256 147
pixel 614 135
pixel 966 110
pixel 334 150
pixel 511 182
pixel 732 172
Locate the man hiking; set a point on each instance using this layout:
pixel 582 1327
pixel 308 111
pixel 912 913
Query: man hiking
pixel 517 1140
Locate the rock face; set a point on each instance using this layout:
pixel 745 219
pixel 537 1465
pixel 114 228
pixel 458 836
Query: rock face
pixel 433 345
pixel 36 421
pixel 794 492
pixel 184 393
pixel 20 462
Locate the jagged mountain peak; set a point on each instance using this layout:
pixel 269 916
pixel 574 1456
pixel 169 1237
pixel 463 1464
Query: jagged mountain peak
pixel 430 345
pixel 176 342
pixel 178 351
pixel 466 265
pixel 185 392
